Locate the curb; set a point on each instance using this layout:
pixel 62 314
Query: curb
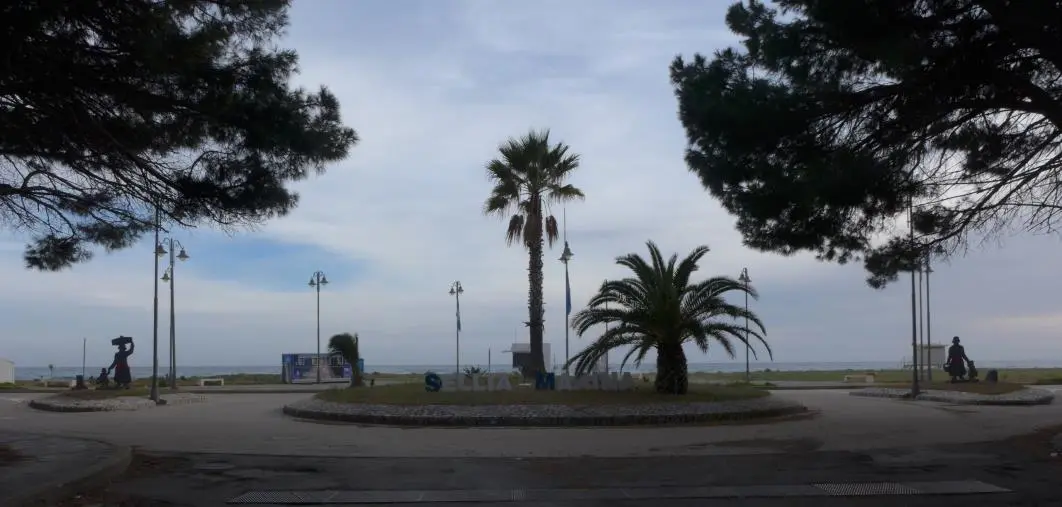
pixel 1044 397
pixel 95 476
pixel 541 422
pixel 50 407
pixel 47 406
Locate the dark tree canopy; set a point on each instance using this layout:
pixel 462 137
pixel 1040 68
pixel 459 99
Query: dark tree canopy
pixel 835 115
pixel 110 111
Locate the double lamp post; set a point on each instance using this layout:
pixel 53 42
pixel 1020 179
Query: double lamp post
pixel 317 281
pixel 170 277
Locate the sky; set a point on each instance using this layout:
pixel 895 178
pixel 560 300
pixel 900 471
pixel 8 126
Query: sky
pixel 433 87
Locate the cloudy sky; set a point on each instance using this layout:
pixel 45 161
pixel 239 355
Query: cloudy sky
pixel 433 87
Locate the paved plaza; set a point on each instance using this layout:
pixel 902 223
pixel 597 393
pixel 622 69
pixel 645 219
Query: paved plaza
pixel 240 447
pixel 254 424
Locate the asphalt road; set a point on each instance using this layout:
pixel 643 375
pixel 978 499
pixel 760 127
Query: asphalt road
pixel 178 480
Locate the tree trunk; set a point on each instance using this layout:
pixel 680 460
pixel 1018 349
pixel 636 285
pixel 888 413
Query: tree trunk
pixel 671 374
pixel 534 296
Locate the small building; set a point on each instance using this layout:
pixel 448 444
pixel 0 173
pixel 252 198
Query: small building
pixel 522 357
pixel 7 371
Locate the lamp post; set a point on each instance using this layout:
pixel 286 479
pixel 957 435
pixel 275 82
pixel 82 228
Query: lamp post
pixel 170 277
pixel 915 390
pixel 921 326
pixel 929 323
pixel 318 280
pixel 565 257
pixel 456 290
pixel 159 252
pixel 744 278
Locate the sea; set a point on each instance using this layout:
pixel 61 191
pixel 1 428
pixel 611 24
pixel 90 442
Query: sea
pixel 68 372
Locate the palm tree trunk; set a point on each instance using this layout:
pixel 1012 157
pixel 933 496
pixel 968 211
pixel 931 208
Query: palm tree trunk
pixel 671 374
pixel 534 304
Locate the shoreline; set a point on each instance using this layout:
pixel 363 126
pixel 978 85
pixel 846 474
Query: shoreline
pixel 1042 376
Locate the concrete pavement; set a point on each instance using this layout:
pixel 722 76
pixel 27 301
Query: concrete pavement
pixel 253 424
pixel 51 467
pixel 989 475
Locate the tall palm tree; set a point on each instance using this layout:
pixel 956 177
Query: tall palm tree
pixel 528 177
pixel 346 346
pixel 661 308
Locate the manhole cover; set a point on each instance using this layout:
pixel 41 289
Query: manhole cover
pixel 216 466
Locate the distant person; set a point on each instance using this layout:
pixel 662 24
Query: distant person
pixel 956 364
pixel 102 380
pixel 122 375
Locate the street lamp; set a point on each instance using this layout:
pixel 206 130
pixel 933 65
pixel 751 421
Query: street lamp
pixel 318 280
pixel 929 323
pixel 456 290
pixel 915 388
pixel 565 257
pixel 159 252
pixel 169 277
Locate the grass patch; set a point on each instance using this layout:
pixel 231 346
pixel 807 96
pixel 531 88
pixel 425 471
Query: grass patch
pixel 409 394
pixel 975 387
pixel 104 394
pixel 8 385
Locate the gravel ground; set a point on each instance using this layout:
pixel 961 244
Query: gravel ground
pixel 541 414
pixel 67 404
pixel 1027 396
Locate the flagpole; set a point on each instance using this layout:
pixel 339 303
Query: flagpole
pixel 456 290
pixel 565 257
pixel 607 367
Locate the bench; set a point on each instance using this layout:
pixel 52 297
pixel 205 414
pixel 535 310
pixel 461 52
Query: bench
pixel 205 381
pixel 867 378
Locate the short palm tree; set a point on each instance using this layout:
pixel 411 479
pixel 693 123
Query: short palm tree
pixel 346 346
pixel 528 177
pixel 661 308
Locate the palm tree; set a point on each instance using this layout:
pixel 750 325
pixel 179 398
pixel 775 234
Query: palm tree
pixel 346 346
pixel 660 308
pixel 529 176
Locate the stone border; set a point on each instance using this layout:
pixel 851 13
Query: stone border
pixel 59 403
pixel 544 415
pixel 1024 397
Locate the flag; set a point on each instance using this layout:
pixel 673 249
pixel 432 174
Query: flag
pixel 458 322
pixel 567 294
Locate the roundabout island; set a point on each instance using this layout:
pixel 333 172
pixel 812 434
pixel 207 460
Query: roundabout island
pixel 525 406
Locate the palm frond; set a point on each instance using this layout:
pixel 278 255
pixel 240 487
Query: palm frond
pixel 552 231
pixel 515 230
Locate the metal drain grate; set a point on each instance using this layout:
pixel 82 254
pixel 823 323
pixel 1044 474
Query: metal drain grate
pixel 518 496
pixel 866 489
pixel 278 497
